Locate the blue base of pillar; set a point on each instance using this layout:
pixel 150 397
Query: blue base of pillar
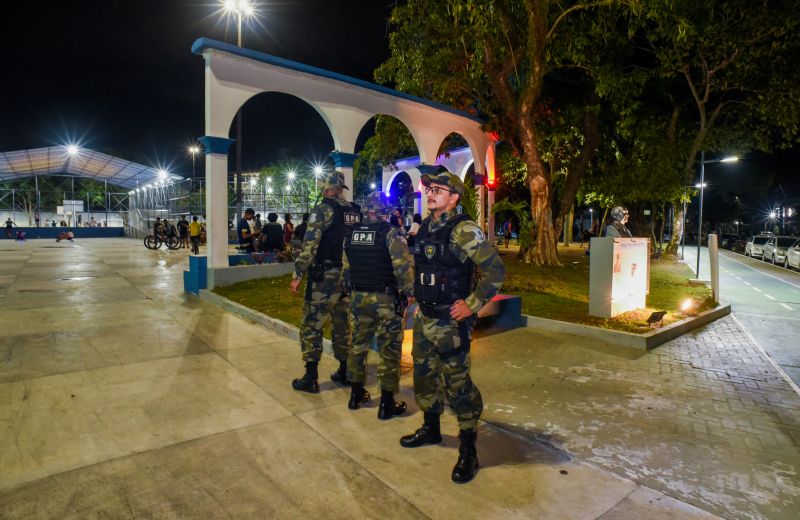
pixel 196 277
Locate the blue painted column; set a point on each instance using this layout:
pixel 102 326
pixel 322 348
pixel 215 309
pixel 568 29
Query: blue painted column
pixel 216 150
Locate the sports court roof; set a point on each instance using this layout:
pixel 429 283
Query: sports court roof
pixel 80 162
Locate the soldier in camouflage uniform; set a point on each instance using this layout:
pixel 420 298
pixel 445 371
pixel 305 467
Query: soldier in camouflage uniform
pixel 448 249
pixel 378 269
pixel 325 299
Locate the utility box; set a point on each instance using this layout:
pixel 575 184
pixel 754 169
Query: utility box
pixel 619 275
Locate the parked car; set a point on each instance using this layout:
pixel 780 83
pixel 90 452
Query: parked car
pixel 755 246
pixel 792 258
pixel 726 240
pixel 775 249
pixel 739 246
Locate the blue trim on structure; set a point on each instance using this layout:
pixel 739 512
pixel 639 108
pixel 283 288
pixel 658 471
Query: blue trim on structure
pixel 343 159
pixel 202 44
pixel 217 145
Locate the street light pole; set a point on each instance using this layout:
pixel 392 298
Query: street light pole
pixel 702 189
pixel 240 9
pixel 700 218
pixel 683 229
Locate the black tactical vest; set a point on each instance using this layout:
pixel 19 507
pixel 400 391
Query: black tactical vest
pixel 370 262
pixel 440 278
pixel 329 253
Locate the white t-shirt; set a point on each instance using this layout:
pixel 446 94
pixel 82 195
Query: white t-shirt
pixel 414 229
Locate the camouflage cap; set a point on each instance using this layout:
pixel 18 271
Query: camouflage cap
pixel 450 181
pixel 376 201
pixel 334 180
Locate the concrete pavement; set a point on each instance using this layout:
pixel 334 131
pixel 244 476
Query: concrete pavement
pixel 122 398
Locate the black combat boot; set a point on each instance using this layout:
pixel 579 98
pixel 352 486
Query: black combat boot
pixel 358 396
pixel 389 407
pixel 308 383
pixel 340 376
pixel 467 464
pixel 428 434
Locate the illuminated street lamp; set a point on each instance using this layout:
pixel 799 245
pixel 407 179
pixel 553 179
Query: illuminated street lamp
pixel 702 186
pixel 193 150
pixel 372 186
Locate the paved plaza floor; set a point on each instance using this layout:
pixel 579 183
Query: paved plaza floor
pixel 121 397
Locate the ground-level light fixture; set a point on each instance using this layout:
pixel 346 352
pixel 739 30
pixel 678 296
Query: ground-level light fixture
pixel 269 190
pixel 317 170
pixel 291 175
pixel 253 181
pixel 269 179
pixel 687 305
pixel 772 215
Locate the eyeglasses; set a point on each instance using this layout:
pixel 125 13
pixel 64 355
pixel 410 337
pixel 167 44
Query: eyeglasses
pixel 435 190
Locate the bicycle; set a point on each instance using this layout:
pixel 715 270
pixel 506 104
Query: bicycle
pixel 154 242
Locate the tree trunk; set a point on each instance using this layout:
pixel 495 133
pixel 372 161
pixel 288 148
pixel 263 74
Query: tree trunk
pixel 677 227
pixel 544 250
pixel 661 229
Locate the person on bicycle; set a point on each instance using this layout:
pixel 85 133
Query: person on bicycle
pixel 158 229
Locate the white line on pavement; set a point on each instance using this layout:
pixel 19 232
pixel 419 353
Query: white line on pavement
pixel 775 316
pixel 755 288
pixel 747 283
pixel 737 278
pixel 756 270
pixel 768 296
pixel 769 358
pixel 786 306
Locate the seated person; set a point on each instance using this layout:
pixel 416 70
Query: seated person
pixel 245 232
pixel 272 235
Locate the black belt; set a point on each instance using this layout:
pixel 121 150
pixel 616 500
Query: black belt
pixel 381 288
pixel 327 266
pixel 439 312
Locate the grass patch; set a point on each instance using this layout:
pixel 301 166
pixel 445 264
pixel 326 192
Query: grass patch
pixel 559 293
pixel 270 296
pixel 562 293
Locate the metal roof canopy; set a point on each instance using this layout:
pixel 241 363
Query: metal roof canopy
pixel 87 163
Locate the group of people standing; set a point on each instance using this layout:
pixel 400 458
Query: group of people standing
pixel 360 272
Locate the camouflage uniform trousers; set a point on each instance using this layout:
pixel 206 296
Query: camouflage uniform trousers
pixel 441 366
pixel 373 313
pixel 323 301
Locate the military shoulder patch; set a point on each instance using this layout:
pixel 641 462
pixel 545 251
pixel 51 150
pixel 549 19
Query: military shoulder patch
pixel 430 252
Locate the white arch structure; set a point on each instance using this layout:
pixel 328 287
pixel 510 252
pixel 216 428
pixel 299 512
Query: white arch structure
pixel 233 75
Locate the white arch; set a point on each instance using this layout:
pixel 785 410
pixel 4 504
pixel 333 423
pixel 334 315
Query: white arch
pixel 233 75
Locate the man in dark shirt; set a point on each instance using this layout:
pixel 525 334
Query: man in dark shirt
pixel 272 235
pixel 244 233
pixel 183 231
pixel 300 230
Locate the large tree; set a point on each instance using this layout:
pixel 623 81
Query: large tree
pixel 726 76
pixel 494 57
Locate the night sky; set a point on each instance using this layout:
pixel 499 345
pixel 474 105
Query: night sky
pixel 120 77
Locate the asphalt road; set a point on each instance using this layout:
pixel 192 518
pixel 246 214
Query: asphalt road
pixel 765 299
